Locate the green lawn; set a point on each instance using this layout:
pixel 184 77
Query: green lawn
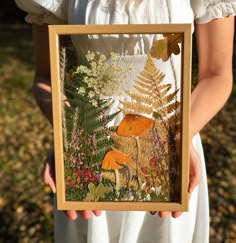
pixel 26 138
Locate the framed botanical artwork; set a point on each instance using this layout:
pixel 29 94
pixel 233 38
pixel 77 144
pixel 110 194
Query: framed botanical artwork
pixel 121 107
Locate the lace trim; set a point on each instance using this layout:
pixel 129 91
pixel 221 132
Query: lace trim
pixel 219 10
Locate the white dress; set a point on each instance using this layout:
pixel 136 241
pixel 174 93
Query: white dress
pixel 133 227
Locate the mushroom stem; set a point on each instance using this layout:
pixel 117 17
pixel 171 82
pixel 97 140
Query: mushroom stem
pixel 128 176
pixel 117 180
pixel 138 160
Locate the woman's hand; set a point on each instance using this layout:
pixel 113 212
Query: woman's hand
pixel 49 179
pixel 194 178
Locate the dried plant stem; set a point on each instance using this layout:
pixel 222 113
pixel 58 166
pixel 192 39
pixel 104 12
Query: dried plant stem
pixel 62 78
pixel 176 87
pixel 138 160
pixel 117 180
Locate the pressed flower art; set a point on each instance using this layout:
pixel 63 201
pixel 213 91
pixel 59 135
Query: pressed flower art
pixel 135 155
pixel 121 120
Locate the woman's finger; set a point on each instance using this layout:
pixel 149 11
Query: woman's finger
pixel 97 213
pixel 49 173
pixel 195 170
pixel 71 214
pixel 85 214
pixel 176 214
pixel 163 214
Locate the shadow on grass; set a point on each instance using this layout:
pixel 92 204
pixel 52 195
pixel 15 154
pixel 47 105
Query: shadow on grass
pixel 16 43
pixel 22 221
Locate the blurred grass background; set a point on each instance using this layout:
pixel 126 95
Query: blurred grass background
pixel 26 138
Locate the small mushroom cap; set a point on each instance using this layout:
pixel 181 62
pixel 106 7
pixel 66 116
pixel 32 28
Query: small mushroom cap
pixel 113 160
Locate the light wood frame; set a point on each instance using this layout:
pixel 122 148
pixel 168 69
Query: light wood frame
pixel 55 32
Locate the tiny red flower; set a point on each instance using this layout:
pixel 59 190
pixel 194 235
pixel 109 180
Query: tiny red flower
pixel 89 173
pixel 153 162
pixel 94 179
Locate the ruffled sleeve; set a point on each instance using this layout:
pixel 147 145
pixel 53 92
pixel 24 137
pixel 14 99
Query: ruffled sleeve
pixel 207 10
pixel 43 11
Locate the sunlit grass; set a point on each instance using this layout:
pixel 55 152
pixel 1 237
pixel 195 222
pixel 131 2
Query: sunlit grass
pixel 26 138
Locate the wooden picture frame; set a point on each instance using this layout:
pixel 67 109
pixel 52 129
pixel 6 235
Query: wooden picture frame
pixel 153 179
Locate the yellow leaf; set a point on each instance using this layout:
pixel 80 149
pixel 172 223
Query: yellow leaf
pixel 162 49
pixel 97 192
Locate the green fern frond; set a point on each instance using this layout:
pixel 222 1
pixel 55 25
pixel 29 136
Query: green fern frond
pixel 97 113
pixel 98 157
pixel 99 133
pixel 93 124
pixel 103 144
pixel 88 137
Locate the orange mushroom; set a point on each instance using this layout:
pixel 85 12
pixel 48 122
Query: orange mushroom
pixel 134 125
pixel 113 160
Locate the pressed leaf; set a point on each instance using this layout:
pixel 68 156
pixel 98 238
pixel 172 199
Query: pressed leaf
pixel 114 159
pixel 97 192
pixel 162 49
pixel 134 125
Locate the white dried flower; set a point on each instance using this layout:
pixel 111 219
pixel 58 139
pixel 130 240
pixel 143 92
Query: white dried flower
pixel 91 94
pixel 90 56
pixel 94 103
pixel 81 90
pixel 103 77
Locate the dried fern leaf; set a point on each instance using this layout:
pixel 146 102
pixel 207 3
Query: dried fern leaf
pixel 143 91
pixel 165 100
pixel 146 85
pixel 164 89
pixel 136 108
pixel 140 98
pixel 158 75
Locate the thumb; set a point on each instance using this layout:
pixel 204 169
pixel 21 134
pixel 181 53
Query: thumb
pixel 195 170
pixel 49 173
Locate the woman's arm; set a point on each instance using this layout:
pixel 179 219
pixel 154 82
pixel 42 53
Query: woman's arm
pixel 42 93
pixel 42 82
pixel 215 50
